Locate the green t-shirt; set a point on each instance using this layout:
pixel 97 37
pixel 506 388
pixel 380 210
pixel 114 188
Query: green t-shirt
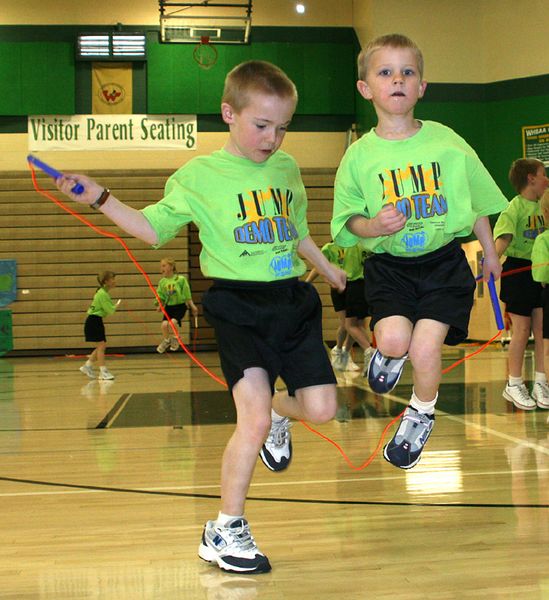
pixel 102 304
pixel 524 220
pixel 351 260
pixel 540 258
pixel 250 216
pixel 173 290
pixel 434 178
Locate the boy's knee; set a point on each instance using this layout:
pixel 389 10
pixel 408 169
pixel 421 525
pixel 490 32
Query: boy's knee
pixel 393 345
pixel 322 411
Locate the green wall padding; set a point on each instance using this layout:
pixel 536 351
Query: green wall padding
pixel 37 78
pixel 322 72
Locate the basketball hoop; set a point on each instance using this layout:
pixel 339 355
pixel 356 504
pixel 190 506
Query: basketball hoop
pixel 204 53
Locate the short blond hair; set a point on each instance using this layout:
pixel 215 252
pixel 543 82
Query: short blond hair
pixel 391 40
pixel 171 261
pixel 256 76
pixel 104 276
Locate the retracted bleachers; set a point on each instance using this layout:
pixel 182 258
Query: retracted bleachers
pixel 58 259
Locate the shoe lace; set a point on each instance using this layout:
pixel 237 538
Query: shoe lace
pixel 242 535
pixel 543 387
pixel 523 392
pixel 278 434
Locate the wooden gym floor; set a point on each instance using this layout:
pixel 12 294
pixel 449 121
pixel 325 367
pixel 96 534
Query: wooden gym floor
pixel 105 486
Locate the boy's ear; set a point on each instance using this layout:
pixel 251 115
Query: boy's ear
pixel 363 89
pixel 227 113
pixel 422 88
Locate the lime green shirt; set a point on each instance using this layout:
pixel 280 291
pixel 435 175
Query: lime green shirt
pixel 174 290
pixel 351 260
pixel 523 220
pixel 540 258
pixel 434 178
pixel 102 304
pixel 250 216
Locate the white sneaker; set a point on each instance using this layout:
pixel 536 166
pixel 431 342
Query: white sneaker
pixel 368 353
pixel 540 393
pixel 276 452
pixel 351 364
pixel 519 396
pixel 341 360
pixel 232 547
pixel 105 374
pixel 87 370
pixel 163 346
pixel 174 344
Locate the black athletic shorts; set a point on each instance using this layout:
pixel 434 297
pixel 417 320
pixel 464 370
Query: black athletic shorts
pixel 351 300
pixel 273 325
pixel 520 293
pixel 176 311
pixel 94 329
pixel 438 286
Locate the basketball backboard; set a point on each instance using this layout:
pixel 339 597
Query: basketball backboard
pixel 219 22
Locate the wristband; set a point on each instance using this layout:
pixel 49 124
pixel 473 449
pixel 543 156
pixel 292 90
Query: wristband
pixel 102 199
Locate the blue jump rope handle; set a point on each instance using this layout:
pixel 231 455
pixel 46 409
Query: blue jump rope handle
pixel 77 189
pixel 495 303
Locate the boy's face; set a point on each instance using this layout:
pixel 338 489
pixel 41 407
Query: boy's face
pixel 257 131
pixel 165 267
pixel 393 82
pixel 539 181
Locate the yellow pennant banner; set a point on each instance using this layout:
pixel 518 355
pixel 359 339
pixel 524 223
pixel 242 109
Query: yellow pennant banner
pixel 112 89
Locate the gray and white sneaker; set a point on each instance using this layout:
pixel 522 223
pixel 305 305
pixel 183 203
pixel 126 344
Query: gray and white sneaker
pixel 404 450
pixel 340 359
pixel 519 396
pixel 232 547
pixel 174 344
pixel 163 346
pixel 276 452
pixel 384 372
pixel 540 394
pixel 87 370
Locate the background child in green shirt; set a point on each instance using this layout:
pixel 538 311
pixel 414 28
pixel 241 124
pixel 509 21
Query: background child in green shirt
pixel 249 204
pixel 350 306
pixel 406 190
pixel 94 329
pixel 515 233
pixel 175 293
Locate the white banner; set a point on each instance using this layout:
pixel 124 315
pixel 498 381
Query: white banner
pixel 112 132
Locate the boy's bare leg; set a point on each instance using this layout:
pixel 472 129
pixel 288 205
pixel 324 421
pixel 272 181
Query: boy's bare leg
pixel 316 403
pixel 393 335
pixel 519 339
pixel 252 398
pixel 425 354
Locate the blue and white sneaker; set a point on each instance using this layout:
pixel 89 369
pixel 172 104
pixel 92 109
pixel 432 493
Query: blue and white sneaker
pixel 232 547
pixel 404 450
pixel 384 373
pixel 276 452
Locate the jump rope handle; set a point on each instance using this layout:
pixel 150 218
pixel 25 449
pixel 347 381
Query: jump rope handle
pixel 495 303
pixel 77 189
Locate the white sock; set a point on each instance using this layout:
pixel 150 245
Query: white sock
pixel 427 408
pixel 275 416
pixel 540 377
pixel 89 363
pixel 515 380
pixel 223 519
